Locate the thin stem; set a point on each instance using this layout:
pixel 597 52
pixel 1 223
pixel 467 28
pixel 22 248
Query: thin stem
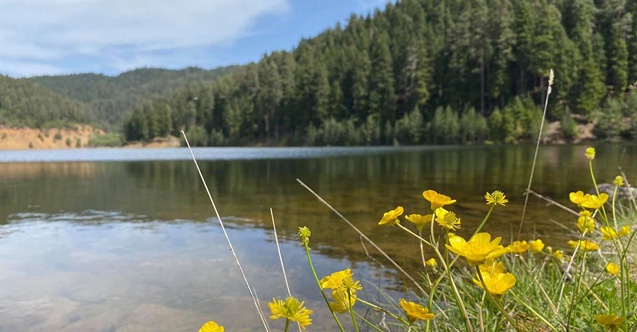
pixel 278 249
pixel 484 221
pixel 379 308
pixel 350 306
pixel 537 148
pixel 223 228
pixel 422 249
pixel 361 234
pixel 497 304
pixel 318 282
pixel 372 325
pixel 456 292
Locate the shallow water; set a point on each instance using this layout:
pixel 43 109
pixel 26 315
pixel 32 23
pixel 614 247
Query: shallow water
pixel 125 240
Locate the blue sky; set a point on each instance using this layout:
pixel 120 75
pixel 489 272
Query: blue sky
pixel 48 37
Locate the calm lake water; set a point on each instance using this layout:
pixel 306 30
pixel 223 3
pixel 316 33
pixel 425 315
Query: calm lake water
pixel 125 240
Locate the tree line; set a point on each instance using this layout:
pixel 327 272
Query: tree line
pixel 420 71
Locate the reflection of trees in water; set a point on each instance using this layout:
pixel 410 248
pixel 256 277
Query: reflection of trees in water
pixel 362 187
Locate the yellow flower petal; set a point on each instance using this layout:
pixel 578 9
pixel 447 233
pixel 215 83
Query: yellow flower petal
pixel 611 322
pixel 497 197
pixel 415 311
pixel 536 245
pixel 432 263
pixel 211 327
pixel 419 220
pixel 518 247
pixel 391 216
pixel 595 202
pixel 437 200
pixel 613 268
pixel 479 248
pixel 291 309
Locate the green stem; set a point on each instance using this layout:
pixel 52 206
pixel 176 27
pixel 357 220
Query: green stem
pixel 318 282
pixel 379 308
pixel 350 306
pixel 287 325
pixel 484 221
pixel 368 322
pixel 497 304
pixel 456 292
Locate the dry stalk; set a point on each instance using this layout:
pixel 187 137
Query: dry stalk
pixel 223 228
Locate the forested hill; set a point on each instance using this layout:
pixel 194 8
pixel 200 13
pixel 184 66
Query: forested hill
pixel 24 103
pixel 422 71
pixel 111 99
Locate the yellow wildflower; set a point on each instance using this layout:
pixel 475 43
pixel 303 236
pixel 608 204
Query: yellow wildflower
pixel 608 233
pixel 344 289
pixel 497 197
pixel 437 200
pixel 613 268
pixel 558 254
pixel 625 230
pixel 342 301
pixel 577 197
pixel 341 279
pixel 497 283
pixel 595 202
pixel 415 311
pixel 585 222
pixel 432 263
pixel 447 219
pixel 491 267
pixel 419 220
pixel 211 327
pixel 536 245
pixel 478 248
pixel 590 153
pixel 391 216
pixel 586 245
pixel 292 310
pixel 518 247
pixel 612 322
pixel 304 234
pixel 619 181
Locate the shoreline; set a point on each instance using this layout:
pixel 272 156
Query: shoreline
pixel 26 138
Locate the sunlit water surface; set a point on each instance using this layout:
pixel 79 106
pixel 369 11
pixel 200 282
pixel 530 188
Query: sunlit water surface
pixel 126 240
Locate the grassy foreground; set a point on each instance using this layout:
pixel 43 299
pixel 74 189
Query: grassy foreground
pixel 479 284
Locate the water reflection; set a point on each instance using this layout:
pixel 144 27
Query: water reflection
pixel 116 245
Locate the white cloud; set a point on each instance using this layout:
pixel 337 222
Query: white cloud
pixel 42 31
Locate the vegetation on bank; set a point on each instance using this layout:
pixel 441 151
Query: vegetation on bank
pixel 421 71
pixel 475 283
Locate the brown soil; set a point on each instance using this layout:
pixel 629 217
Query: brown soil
pixel 56 138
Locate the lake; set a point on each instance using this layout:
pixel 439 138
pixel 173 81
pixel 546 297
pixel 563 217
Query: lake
pixel 126 239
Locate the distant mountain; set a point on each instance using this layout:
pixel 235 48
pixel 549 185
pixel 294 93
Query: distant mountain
pixel 111 99
pixel 25 103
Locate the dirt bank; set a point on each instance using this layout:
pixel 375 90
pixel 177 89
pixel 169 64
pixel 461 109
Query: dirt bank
pixel 56 138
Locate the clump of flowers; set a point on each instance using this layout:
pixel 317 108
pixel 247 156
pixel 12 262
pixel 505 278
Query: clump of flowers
pixel 497 281
pixel 343 288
